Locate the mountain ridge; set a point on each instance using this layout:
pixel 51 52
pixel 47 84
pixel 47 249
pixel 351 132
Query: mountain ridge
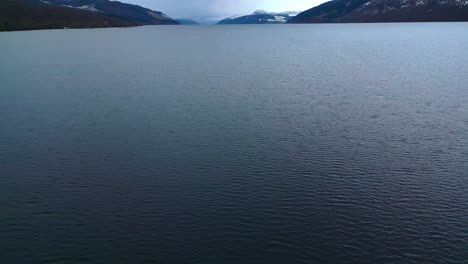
pixel 20 15
pixel 55 14
pixel 371 11
pixel 129 12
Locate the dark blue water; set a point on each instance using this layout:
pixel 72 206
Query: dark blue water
pixel 236 144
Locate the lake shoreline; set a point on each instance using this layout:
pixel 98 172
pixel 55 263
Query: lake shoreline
pixel 224 25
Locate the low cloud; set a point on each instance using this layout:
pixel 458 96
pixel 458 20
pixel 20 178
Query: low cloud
pixel 214 10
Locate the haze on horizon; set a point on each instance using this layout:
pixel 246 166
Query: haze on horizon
pixel 211 11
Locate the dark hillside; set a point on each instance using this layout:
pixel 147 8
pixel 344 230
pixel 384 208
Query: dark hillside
pixel 20 15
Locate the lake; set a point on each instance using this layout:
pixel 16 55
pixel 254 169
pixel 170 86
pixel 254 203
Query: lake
pixel 235 144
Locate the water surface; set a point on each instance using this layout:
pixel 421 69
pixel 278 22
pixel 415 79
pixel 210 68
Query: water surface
pixel 235 144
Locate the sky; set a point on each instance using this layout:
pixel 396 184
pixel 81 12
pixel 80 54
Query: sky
pixel 215 10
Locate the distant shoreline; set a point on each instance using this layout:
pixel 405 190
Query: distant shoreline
pixel 224 25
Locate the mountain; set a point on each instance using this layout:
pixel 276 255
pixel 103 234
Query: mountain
pixel 364 11
pixel 42 14
pixel 24 15
pixel 259 17
pixel 129 12
pixel 187 22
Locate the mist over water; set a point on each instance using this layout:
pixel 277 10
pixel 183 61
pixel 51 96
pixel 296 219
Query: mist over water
pixel 236 144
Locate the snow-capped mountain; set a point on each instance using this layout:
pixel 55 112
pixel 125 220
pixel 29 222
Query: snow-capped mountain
pixel 260 17
pixel 342 11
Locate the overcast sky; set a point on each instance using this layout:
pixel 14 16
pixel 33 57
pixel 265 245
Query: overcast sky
pixel 217 9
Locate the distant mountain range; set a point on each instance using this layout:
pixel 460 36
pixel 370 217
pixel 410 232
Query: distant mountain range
pixel 37 14
pixel 365 11
pixel 259 17
pixel 49 14
pixel 187 21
